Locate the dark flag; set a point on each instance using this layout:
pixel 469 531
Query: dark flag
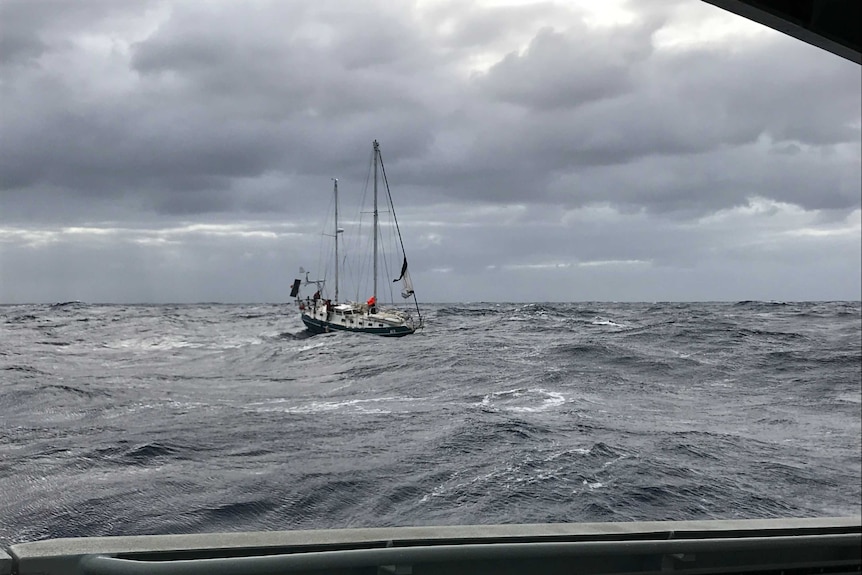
pixel 295 289
pixel 403 270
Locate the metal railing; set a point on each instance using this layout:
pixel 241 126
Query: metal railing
pixel 789 546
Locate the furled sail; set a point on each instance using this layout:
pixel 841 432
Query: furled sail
pixel 407 286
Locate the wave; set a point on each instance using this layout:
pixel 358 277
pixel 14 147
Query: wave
pixel 22 318
pixel 756 303
pixel 678 411
pixel 25 369
pixel 463 311
pixel 68 305
pixel 523 400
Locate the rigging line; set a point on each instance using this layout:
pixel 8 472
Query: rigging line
pixel 360 241
pixel 386 262
pixel 400 239
pixel 323 262
pixel 391 205
pixel 351 244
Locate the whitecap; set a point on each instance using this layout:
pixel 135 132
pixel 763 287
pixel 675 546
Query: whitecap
pixel 366 406
pixel 522 400
pixel 602 321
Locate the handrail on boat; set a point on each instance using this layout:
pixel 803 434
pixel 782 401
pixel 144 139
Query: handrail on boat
pixel 800 546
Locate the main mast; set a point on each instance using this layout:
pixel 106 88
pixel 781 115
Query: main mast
pixel 376 155
pixel 335 189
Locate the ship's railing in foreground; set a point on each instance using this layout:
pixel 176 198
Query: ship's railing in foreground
pixel 759 546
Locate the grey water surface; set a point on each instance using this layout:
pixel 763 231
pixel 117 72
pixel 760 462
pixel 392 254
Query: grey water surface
pixel 149 419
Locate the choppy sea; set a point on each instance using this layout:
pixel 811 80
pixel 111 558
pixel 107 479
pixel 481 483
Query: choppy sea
pixel 150 419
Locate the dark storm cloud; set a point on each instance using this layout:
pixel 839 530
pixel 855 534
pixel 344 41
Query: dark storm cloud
pixel 218 94
pixel 526 144
pixel 199 109
pixel 681 107
pixel 568 69
pixel 17 46
pixel 31 28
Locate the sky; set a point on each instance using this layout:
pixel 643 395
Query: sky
pixel 665 150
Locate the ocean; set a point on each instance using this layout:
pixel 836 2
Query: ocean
pixel 153 419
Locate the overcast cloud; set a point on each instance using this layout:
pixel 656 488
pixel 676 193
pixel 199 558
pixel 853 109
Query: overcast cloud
pixel 182 151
